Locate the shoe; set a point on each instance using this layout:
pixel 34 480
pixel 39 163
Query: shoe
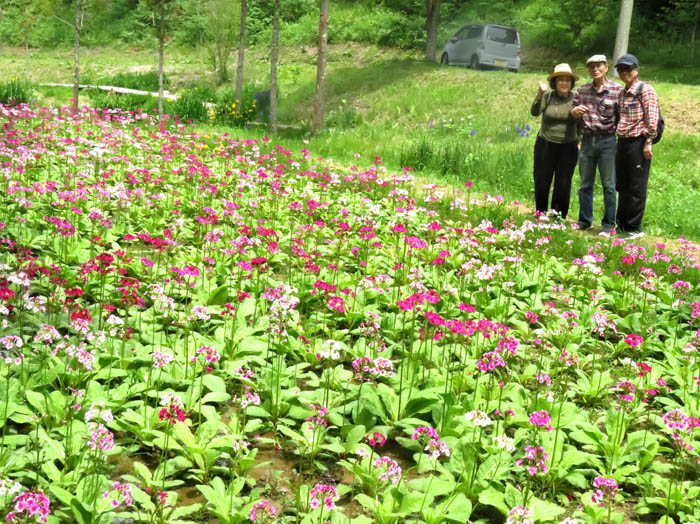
pixel 608 229
pixel 583 225
pixel 635 234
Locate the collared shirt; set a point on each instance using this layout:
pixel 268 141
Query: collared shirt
pixel 601 117
pixel 639 111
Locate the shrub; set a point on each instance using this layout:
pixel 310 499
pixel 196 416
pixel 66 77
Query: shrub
pixel 238 112
pixel 15 92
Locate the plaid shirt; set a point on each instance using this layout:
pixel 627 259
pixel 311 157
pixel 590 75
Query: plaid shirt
pixel 603 110
pixel 639 111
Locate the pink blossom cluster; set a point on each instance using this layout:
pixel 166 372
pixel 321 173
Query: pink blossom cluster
pixel 123 494
pixel 319 419
pixel 264 511
pixel 323 494
pixel 367 368
pixel 519 515
pixel 30 504
pixel 376 439
pixel 605 490
pixel 626 390
pixel 389 470
pixel 541 419
pixel 433 445
pixel 534 461
pixel 161 359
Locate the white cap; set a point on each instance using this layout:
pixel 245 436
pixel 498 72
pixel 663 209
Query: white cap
pixel 597 58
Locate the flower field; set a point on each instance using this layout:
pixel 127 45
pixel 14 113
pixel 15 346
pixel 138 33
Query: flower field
pixel 202 328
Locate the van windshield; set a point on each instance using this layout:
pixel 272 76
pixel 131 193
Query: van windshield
pixel 503 35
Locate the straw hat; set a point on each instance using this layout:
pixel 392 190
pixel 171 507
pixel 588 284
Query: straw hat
pixel 562 70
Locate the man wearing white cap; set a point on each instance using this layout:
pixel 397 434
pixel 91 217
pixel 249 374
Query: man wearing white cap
pixel 597 107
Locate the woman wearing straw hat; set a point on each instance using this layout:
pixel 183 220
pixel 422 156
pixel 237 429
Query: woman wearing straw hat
pixel 556 147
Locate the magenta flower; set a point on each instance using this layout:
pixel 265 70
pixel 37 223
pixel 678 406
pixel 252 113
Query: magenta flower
pixel 605 492
pixel 267 512
pixel 541 419
pixel 534 461
pixel 323 494
pixel 31 504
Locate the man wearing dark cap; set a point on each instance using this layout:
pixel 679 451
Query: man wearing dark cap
pixel 638 125
pixel 597 107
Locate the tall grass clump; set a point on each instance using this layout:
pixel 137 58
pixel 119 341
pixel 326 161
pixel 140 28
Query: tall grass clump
pixel 191 104
pixel 110 100
pixel 15 91
pixel 145 80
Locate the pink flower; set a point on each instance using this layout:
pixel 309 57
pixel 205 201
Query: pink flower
pixel 323 494
pixel 541 419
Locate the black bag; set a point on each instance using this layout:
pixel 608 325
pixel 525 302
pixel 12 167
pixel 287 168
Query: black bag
pixel 661 125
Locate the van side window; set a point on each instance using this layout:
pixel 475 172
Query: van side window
pixel 462 34
pixel 474 32
pixel 502 35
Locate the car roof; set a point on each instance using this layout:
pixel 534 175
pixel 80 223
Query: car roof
pixel 490 25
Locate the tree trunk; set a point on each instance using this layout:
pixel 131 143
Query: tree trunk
pixel 76 53
pixel 432 21
pixel 321 58
pixel 274 56
pixel 241 52
pixel 161 48
pixel 623 29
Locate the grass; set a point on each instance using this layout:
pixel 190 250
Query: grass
pixel 389 104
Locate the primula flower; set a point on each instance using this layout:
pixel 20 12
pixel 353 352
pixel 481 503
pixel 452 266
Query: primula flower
pixel 519 515
pixel 264 511
pixel 634 340
pixel 534 460
pixel 605 492
pixel 541 419
pixel 323 494
pixel 433 445
pixel 390 471
pixel 32 503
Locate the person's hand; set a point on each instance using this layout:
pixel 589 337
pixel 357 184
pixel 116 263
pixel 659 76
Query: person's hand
pixel 647 151
pixel 542 88
pixel 579 111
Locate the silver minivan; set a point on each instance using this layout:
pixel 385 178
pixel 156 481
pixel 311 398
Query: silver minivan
pixel 482 46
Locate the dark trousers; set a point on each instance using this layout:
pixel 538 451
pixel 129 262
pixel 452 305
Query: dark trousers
pixel 632 171
pixel 555 161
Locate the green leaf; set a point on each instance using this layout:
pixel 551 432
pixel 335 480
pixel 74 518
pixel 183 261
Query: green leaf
pixel 457 508
pixel 142 471
pixel 543 510
pixel 493 497
pixel 219 296
pixel 214 383
pixel 81 513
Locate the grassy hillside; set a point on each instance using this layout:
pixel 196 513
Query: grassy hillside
pixel 454 124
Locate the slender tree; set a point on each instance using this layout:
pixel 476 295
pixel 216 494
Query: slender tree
pixel 78 26
pixel 158 10
pixel 222 23
pixel 321 57
pixel 432 21
pixel 623 28
pixel 274 56
pixel 241 51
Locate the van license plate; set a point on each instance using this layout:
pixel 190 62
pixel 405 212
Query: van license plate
pixel 500 62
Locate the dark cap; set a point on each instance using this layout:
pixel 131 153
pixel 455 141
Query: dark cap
pixel 628 60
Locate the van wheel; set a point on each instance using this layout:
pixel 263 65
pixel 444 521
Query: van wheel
pixel 474 64
pixel 444 59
